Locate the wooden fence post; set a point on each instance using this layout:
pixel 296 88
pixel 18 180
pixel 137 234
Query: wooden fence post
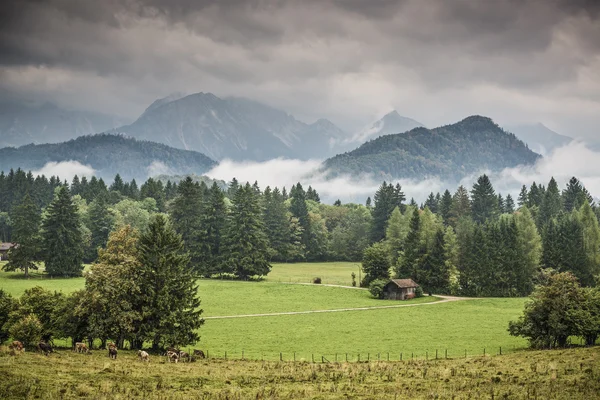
pixel 500 350
pixel 436 354
pixel 242 354
pixel 280 357
pixel 400 356
pixel 446 356
pixel 484 351
pixel 294 356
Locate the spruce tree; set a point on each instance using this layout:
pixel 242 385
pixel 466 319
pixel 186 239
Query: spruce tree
pixel 186 213
pixel 432 203
pixel 212 232
pixel 26 234
pixel 413 248
pixel 461 205
pixel 591 244
pixel 484 204
pixel 299 209
pixel 523 197
pixel 117 185
pixel 575 195
pixel 535 196
pixel 170 310
pixel 247 251
pixel 446 206
pixel 62 244
pixel 100 223
pixel 551 204
pixel 154 189
pixel 385 199
pixel 501 205
pixel 509 204
pixel 277 224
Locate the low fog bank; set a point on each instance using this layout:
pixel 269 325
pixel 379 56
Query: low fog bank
pixel 65 170
pixel 574 159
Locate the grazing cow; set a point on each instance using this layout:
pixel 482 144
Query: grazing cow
pixel 45 348
pixel 184 356
pixel 172 356
pixel 111 344
pixel 16 346
pixel 143 356
pixel 199 353
pixel 112 352
pixel 81 348
pixel 173 349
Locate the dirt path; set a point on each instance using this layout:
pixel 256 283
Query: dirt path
pixel 444 299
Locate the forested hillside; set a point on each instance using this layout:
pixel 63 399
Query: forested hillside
pixel 474 242
pixel 449 152
pixel 109 155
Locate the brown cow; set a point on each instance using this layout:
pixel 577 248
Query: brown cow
pixel 81 348
pixel 184 356
pixel 172 356
pixel 112 352
pixel 16 346
pixel 199 353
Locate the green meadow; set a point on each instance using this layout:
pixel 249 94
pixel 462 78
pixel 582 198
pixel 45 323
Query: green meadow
pixel 416 331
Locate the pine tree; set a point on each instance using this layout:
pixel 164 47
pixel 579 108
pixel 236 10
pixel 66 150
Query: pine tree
pixel 461 205
pixel 62 244
pixel 523 197
pixel 501 206
pixel 536 196
pixel 186 213
pixel 413 248
pixel 432 203
pixel 117 185
pixel 385 199
pixel 529 247
pixel 277 225
pixel 299 209
pixel 484 203
pixel 100 222
pixel 233 187
pixel 368 202
pixel 509 204
pixel 312 194
pixel 170 313
pixel 438 280
pixel 26 234
pixel 551 204
pixel 212 233
pixel 575 195
pixel 247 245
pixel 446 206
pixel 154 189
pixel 75 186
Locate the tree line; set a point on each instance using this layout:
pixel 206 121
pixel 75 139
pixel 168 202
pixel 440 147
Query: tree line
pixel 471 242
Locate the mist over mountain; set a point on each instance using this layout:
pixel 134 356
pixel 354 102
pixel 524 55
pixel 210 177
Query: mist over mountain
pixel 448 152
pixel 108 155
pixel 235 128
pixel 48 123
pixel 539 137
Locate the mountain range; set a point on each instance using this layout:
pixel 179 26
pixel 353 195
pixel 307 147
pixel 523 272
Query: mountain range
pixel 448 152
pixel 539 137
pixel 233 128
pixel 48 123
pixel 108 155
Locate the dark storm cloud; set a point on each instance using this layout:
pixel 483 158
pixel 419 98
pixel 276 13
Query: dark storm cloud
pixel 341 58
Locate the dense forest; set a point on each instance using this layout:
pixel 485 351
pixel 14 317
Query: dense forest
pixel 471 242
pixel 108 155
pixel 449 152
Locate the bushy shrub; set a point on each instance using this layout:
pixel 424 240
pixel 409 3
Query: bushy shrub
pixel 419 291
pixel 317 280
pixel 28 330
pixel 7 305
pixel 376 288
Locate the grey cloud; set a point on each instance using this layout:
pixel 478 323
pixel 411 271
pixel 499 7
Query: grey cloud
pixel 314 57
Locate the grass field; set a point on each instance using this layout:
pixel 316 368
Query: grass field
pixel 336 273
pixel 564 374
pixel 470 325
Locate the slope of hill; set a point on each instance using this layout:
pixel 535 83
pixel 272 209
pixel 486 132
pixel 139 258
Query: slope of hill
pixel 391 123
pixel 539 138
pixel 449 152
pixel 235 128
pixel 109 155
pixel 24 124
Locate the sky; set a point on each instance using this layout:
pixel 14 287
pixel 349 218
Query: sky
pixel 437 61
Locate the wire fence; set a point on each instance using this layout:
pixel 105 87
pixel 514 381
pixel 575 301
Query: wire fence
pixel 438 354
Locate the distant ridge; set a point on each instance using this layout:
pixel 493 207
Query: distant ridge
pixel 539 137
pixel 450 152
pixel 108 155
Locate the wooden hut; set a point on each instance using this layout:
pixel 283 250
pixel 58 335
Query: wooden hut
pixel 4 248
pixel 400 289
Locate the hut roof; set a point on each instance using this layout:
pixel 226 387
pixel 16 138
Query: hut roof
pixel 405 283
pixel 6 246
